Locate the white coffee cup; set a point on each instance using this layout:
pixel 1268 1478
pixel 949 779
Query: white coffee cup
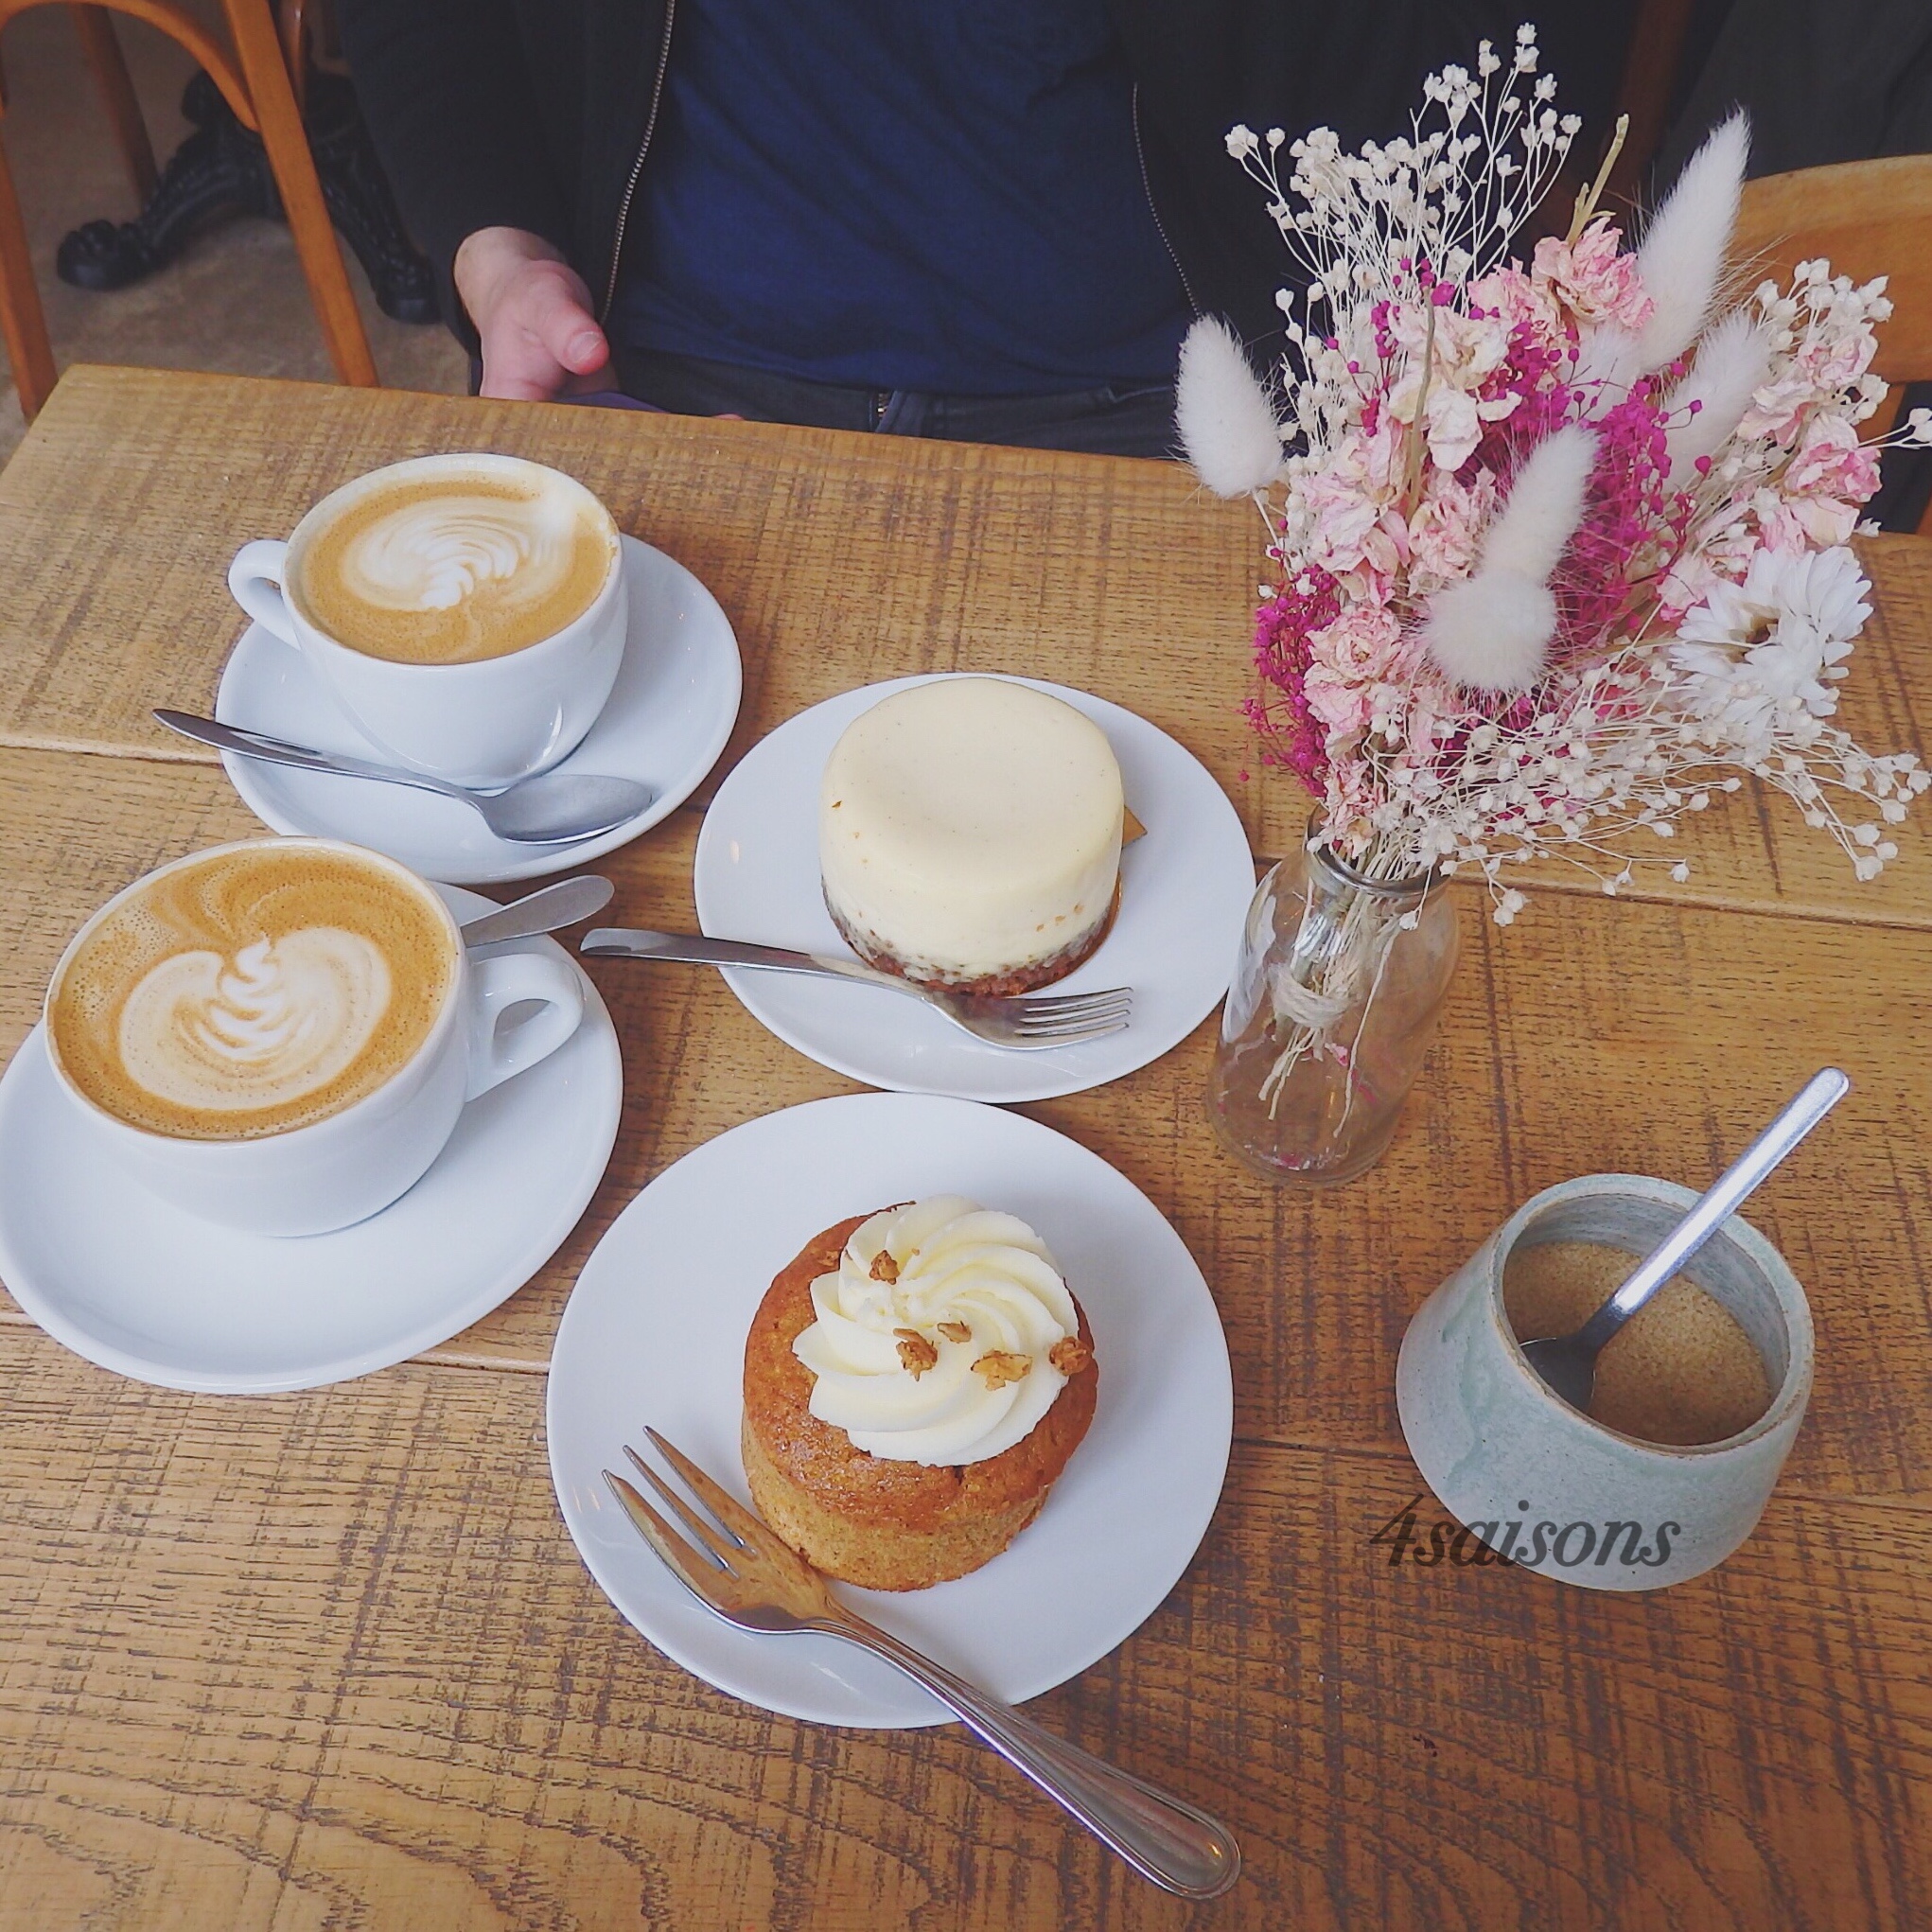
pixel 486 723
pixel 351 1164
pixel 1567 1496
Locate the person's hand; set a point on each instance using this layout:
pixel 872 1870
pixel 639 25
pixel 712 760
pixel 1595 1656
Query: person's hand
pixel 533 312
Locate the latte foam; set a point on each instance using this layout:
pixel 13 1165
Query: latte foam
pixel 457 565
pixel 257 989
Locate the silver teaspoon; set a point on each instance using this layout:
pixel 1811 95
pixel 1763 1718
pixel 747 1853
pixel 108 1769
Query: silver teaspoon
pixel 546 910
pixel 1567 1362
pixel 550 809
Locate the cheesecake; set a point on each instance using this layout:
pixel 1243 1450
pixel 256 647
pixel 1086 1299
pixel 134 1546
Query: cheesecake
pixel 969 836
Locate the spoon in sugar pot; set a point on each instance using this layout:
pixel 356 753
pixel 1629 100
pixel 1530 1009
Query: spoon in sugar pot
pixel 1567 1362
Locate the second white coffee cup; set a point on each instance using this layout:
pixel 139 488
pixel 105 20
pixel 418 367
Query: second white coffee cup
pixel 484 723
pixel 340 1170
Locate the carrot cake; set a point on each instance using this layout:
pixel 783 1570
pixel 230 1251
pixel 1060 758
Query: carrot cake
pixel 914 1384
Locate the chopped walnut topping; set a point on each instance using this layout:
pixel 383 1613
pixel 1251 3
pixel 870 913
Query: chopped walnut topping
pixel 956 1331
pixel 1001 1365
pixel 916 1354
pixel 1069 1354
pixel 884 1268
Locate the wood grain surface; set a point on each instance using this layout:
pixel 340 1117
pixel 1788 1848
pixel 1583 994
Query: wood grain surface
pixel 840 560
pixel 1547 1067
pixel 329 1660
pixel 342 1666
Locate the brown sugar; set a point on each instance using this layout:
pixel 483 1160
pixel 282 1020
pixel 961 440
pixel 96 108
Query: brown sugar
pixel 1681 1370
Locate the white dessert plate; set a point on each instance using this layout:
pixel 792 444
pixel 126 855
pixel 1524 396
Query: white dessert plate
pixel 149 1291
pixel 1184 889
pixel 670 713
pixel 655 1333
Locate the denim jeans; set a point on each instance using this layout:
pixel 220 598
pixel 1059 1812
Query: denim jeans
pixel 1122 419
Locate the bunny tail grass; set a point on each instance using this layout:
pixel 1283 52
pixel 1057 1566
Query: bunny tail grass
pixel 1605 367
pixel 1681 259
pixel 1226 422
pixel 1708 405
pixel 1493 632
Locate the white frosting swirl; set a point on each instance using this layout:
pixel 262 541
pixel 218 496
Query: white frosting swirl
pixel 966 1283
pixel 278 1021
pixel 436 553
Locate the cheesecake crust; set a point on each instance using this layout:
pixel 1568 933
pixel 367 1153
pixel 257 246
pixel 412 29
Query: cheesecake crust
pixel 874 952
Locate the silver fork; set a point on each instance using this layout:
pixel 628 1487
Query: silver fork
pixel 742 1570
pixel 1030 1021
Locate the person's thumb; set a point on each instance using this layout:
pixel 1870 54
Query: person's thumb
pixel 570 331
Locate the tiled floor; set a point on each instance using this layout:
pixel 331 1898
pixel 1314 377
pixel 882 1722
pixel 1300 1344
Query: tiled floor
pixel 235 301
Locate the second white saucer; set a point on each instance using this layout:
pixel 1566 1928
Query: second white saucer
pixel 1184 889
pixel 654 1333
pixel 668 718
pixel 151 1291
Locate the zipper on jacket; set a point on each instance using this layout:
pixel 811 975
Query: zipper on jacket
pixel 1147 188
pixel 636 167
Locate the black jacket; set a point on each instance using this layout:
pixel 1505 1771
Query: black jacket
pixel 539 113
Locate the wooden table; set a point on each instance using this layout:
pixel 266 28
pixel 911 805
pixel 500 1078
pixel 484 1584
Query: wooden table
pixel 329 1660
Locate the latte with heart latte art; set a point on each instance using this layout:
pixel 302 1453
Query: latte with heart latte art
pixel 253 990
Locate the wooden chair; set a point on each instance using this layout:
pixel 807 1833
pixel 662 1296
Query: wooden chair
pixel 1867 218
pixel 255 80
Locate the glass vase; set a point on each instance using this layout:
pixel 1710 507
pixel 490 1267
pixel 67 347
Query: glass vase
pixel 1330 1012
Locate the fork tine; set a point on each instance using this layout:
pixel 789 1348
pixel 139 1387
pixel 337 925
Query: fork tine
pixel 1119 1010
pixel 1047 1030
pixel 1105 1006
pixel 752 1531
pixel 1072 1002
pixel 690 1569
pixel 720 1546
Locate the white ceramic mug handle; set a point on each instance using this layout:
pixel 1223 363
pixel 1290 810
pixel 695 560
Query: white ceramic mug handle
pixel 254 578
pixel 505 981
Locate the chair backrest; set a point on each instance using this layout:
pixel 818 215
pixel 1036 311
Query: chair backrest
pixel 1869 219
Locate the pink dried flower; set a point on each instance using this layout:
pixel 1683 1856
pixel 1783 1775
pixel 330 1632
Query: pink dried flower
pixel 1445 530
pixel 1291 736
pixel 1831 461
pixel 1520 303
pixel 1631 518
pixel 1778 406
pixel 1345 516
pixel 1592 278
pixel 1347 659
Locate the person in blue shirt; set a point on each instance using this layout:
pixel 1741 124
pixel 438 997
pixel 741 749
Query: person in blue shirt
pixel 982 218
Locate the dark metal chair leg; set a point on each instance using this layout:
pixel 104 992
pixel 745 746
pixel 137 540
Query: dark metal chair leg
pixel 221 171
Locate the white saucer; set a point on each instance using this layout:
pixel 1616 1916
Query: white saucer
pixel 149 1291
pixel 1184 893
pixel 673 707
pixel 655 1332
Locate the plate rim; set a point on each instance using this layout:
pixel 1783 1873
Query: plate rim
pixel 545 859
pixel 52 1318
pixel 1023 1092
pixel 1026 1126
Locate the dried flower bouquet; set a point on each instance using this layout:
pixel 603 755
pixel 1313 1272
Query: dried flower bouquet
pixel 1563 546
